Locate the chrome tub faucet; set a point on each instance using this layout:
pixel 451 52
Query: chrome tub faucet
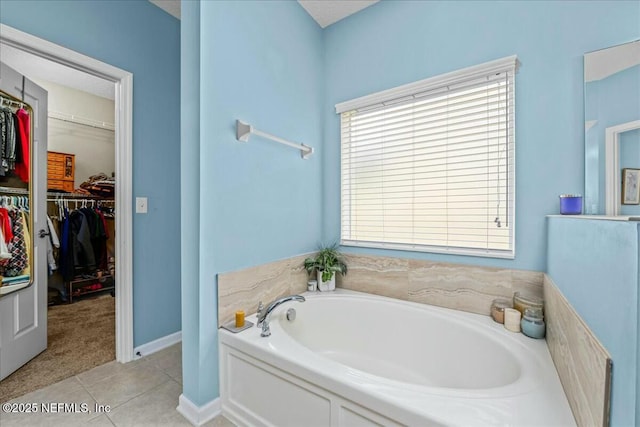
pixel 264 314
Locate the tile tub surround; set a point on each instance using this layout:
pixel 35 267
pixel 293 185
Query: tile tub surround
pixel 457 286
pixel 583 364
pixel 244 289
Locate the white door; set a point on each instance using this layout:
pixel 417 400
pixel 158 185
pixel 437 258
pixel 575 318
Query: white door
pixel 23 313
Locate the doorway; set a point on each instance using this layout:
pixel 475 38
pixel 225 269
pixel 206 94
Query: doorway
pixel 122 82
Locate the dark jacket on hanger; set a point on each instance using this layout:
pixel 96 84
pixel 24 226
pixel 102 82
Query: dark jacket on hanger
pixel 98 236
pixel 80 239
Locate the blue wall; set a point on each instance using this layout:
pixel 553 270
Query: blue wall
pixel 144 40
pixel 260 62
pixel 263 65
pixel 595 264
pixel 398 42
pixel 192 316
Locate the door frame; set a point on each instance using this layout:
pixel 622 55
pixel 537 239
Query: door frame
pixel 123 81
pixel 612 174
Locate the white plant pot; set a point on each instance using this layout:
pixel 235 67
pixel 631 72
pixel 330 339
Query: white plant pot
pixel 327 286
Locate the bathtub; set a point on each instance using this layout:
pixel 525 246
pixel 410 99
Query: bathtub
pixel 354 359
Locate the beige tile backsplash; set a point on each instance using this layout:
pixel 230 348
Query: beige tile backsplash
pixel 457 286
pixel 244 289
pixel 583 364
pixel 376 275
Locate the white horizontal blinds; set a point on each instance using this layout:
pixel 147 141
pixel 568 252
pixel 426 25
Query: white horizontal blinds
pixel 432 170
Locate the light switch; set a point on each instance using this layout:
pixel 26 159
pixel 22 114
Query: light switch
pixel 141 205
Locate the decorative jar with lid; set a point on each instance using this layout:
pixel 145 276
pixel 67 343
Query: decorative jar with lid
pixel 523 301
pixel 532 323
pixel 497 309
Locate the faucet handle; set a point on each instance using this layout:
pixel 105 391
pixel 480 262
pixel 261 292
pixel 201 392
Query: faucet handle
pixel 259 312
pixel 266 331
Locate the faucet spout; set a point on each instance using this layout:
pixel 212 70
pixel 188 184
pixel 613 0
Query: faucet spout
pixel 265 314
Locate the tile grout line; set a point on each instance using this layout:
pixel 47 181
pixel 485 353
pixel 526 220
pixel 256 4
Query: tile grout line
pixel 92 396
pixel 135 397
pixel 108 376
pixel 128 400
pixel 151 364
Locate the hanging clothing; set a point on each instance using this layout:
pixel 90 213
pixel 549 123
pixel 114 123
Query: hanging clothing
pixel 80 236
pixel 27 242
pixel 19 252
pixel 66 254
pixel 8 131
pixel 5 225
pixel 52 242
pixel 22 160
pixel 83 242
pixel 7 137
pixel 103 260
pixel 10 153
pixel 98 236
pixel 15 138
pixel 4 249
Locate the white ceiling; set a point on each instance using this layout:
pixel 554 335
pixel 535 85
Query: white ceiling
pixel 36 67
pixel 170 6
pixel 325 12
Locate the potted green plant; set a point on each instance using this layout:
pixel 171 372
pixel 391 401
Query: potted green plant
pixel 327 262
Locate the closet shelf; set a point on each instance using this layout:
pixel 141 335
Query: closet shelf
pixel 25 191
pixel 75 286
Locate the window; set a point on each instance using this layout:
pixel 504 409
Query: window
pixel 429 166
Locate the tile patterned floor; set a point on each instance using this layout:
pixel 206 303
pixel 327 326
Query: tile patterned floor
pixel 141 393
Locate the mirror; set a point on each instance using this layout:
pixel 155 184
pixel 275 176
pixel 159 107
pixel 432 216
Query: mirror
pixel 16 225
pixel 612 123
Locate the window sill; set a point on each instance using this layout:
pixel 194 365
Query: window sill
pixel 431 249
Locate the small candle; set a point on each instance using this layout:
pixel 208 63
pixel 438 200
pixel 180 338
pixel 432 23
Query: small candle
pixel 312 285
pixel 512 319
pixel 532 323
pixel 239 319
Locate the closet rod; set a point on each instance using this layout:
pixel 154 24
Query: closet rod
pixel 4 100
pixel 72 118
pixel 244 130
pixel 5 97
pixel 76 195
pixel 23 191
pixel 81 200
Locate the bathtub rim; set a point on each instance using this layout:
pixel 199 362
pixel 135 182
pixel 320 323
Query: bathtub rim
pixel 531 364
pixel 407 404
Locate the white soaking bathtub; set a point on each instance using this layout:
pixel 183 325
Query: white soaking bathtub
pixel 354 359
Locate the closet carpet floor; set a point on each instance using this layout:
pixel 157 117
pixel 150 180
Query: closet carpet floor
pixel 81 336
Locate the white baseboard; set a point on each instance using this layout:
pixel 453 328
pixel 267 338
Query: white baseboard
pixel 157 345
pixel 198 415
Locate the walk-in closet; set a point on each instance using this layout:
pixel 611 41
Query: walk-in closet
pixel 74 185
